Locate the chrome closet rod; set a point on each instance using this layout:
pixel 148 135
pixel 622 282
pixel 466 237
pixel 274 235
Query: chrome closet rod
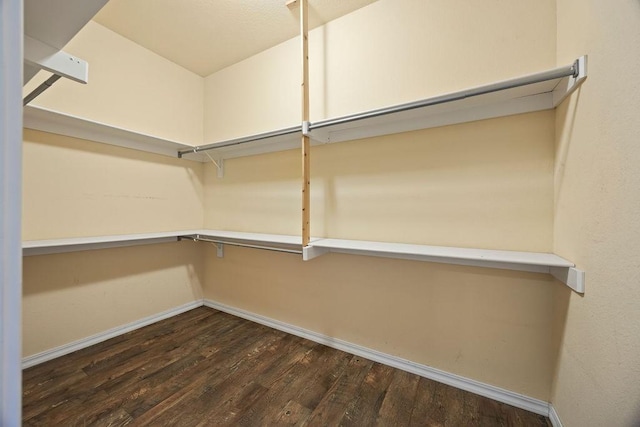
pixel 37 91
pixel 244 245
pixel 557 73
pixel 243 140
pixel 571 70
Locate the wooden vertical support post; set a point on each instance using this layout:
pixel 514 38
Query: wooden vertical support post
pixel 306 180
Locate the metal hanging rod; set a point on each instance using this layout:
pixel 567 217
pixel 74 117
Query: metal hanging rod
pixel 558 73
pixel 37 91
pixel 246 139
pixel 572 70
pixel 244 245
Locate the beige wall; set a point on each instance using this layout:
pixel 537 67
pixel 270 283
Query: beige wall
pixel 129 87
pixel 597 221
pixel 73 187
pixel 67 297
pixel 78 188
pixel 485 184
pixel 389 52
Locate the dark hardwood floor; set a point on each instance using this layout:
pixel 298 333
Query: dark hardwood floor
pixel 208 368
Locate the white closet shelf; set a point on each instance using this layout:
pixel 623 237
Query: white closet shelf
pixel 534 92
pixel 48 27
pixel 51 121
pixel 536 262
pixel 264 241
pixel 75 244
pixel 555 265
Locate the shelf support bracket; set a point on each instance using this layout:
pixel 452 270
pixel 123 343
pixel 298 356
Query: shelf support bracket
pixel 55 61
pixel 311 252
pixel 220 251
pixel 219 165
pixel 571 276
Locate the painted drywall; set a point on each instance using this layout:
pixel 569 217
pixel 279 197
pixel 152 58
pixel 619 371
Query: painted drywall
pixel 597 222
pixel 483 184
pixel 75 188
pixel 129 87
pixel 490 325
pixel 487 184
pixel 389 52
pixel 67 297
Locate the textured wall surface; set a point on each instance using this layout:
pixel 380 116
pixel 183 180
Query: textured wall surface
pixel 129 87
pixel 597 221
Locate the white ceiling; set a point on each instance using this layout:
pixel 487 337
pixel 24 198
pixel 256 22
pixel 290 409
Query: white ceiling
pixel 205 36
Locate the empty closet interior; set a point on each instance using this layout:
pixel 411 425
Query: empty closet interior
pixel 437 131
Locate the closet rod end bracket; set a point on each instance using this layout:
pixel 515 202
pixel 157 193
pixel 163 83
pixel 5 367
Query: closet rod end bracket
pixel 571 276
pixel 306 125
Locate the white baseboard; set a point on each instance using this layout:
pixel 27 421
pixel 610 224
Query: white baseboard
pixel 553 416
pixel 501 395
pixel 44 356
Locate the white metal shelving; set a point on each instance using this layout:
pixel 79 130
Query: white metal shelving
pixel 43 119
pixel 536 262
pixel 535 92
pixel 48 27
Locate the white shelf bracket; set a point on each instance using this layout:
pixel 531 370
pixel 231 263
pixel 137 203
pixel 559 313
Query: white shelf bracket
pixel 55 61
pixel 305 128
pixel 219 165
pixel 311 252
pixel 220 252
pixel 571 276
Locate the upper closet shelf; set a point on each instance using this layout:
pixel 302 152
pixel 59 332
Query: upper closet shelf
pixel 51 121
pixel 535 92
pixel 48 27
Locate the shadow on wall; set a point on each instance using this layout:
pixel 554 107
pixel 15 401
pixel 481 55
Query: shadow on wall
pixel 565 121
pixel 49 273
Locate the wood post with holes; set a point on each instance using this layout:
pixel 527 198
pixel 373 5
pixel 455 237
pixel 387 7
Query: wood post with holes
pixel 306 196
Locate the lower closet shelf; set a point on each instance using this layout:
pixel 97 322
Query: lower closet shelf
pixel 75 244
pixel 537 262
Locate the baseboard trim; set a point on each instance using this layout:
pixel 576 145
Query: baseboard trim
pixel 53 353
pixel 501 395
pixel 553 416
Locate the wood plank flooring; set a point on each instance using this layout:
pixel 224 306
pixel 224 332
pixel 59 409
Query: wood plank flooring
pixel 208 368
